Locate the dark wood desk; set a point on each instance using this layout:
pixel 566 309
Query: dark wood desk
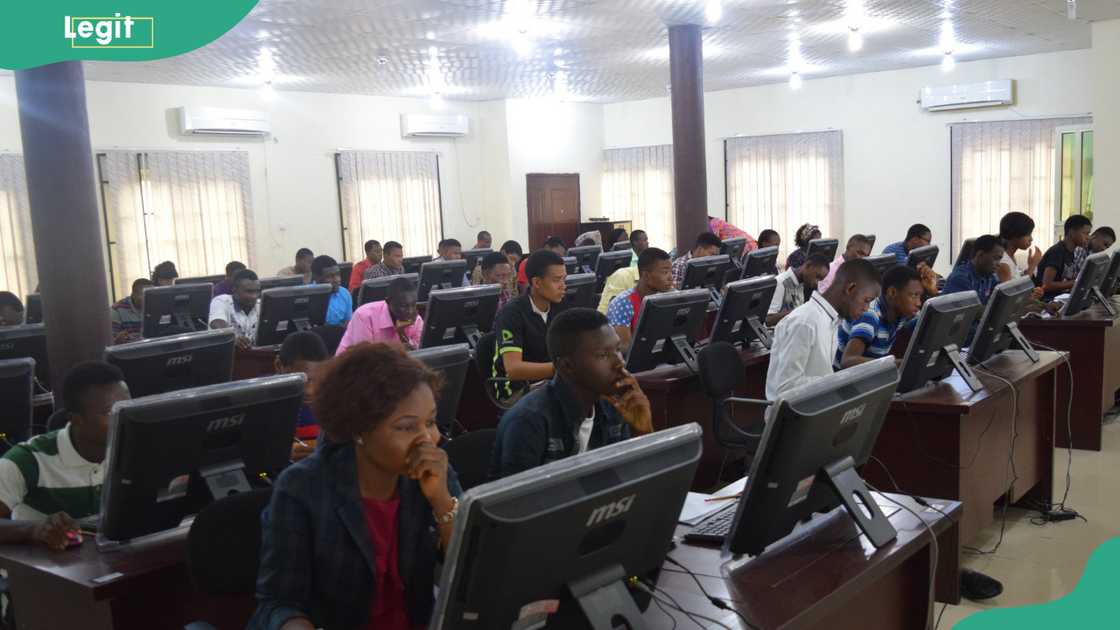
pixel 1092 338
pixel 946 441
pixel 254 362
pixel 824 575
pixel 676 397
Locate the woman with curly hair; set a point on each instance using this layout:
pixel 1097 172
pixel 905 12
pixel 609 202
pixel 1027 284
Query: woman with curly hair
pixel 805 233
pixel 351 536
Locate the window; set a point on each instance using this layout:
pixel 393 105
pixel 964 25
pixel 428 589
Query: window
pixel 1004 166
pixel 18 273
pixel 782 181
pixel 389 196
pixel 638 185
pixel 189 207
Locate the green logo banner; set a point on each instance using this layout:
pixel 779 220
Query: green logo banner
pixel 48 31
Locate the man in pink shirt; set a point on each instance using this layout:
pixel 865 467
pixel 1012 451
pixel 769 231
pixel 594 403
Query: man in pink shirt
pixel 392 321
pixel 725 230
pixel 859 246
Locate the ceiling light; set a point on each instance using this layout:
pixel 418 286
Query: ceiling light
pixel 855 40
pixel 382 60
pixel 262 34
pixel 560 85
pixel 948 62
pixel 713 11
pixel 522 45
pixel 795 81
pixel 1071 9
pixel 436 101
pixel 855 17
pixel 267 93
pixel 429 35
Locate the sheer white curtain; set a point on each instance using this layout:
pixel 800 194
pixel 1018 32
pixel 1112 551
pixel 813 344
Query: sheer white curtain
pixel 782 181
pixel 1004 166
pixel 189 207
pixel 18 273
pixel 638 185
pixel 390 196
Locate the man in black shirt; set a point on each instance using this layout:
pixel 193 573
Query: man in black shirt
pixel 1058 269
pixel 521 352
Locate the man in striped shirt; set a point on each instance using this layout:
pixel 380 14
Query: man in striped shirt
pixel 871 335
pixel 52 479
pixel 127 316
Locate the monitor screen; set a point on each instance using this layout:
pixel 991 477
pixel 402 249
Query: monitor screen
pixel 586 257
pixel 452 362
pixel 608 263
pixel 215 279
pixel 1087 286
pixel 460 315
pixel 34 313
pixel 412 264
pixel 998 327
pixel 882 262
pixel 934 350
pixel 824 246
pixel 622 246
pixel 965 252
pixel 376 289
pixel 280 282
pixel 571 265
pixel 1108 285
pixel 284 311
pixel 761 262
pixel 27 341
pixel 442 274
pixel 17 390
pixel 669 325
pixel 176 309
pixel 919 255
pixel 579 290
pixel 474 256
pixel 733 247
pixel 155 366
pixel 742 314
pixel 707 272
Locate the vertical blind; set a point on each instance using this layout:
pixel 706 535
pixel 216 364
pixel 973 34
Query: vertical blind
pixel 18 273
pixel 638 185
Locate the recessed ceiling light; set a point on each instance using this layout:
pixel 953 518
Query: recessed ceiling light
pixel 382 60
pixel 430 35
pixel 262 34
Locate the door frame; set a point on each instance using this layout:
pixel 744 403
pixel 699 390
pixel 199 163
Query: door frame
pixel 529 218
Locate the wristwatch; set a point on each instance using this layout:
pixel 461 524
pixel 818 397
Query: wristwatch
pixel 443 519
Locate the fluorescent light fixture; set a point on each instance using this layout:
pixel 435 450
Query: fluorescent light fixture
pixel 713 11
pixel 855 40
pixel 795 81
pixel 522 45
pixel 948 63
pixel 1071 9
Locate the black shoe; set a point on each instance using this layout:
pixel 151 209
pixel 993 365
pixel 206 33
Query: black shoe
pixel 977 586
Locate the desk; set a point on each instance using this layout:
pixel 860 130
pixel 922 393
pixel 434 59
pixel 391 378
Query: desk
pixel 824 575
pixel 676 397
pixel 1092 338
pixel 946 441
pixel 254 362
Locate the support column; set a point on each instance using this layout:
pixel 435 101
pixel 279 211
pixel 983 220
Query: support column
pixel 64 218
pixel 690 178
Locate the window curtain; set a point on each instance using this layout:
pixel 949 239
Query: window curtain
pixel 190 207
pixel 638 185
pixel 390 196
pixel 1000 167
pixel 782 181
pixel 18 273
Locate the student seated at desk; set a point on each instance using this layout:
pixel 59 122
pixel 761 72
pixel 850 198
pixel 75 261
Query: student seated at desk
pixel 859 246
pixel 393 320
pixel 391 265
pixel 304 257
pixel 978 273
pixel 806 342
pixel 1016 231
pixel 324 270
pixel 725 230
pixel 11 309
pixel 639 242
pixel 511 250
pixel 622 280
pixel 1102 238
pixel 593 401
pixel 164 274
pixel 449 249
pixel 917 236
pixel 770 238
pixel 352 534
pixel 793 285
pixel 357 272
pixel 495 269
pixel 1058 269
pixel 553 244
pixel 807 232
pixel 301 353
pixel 484 240
pixel 655 275
pixel 126 317
pixel 240 310
pixel 872 335
pixel 707 244
pixel 52 479
pixel 521 352
pixel 225 287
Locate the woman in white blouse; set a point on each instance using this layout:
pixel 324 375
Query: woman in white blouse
pixel 1016 229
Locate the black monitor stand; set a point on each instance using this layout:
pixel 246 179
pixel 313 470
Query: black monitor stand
pixel 1099 296
pixel 225 479
pixel 181 314
pixel 758 327
pixel 850 488
pixel 472 335
pixel 605 601
pixel 1021 342
pixel 684 351
pixel 954 354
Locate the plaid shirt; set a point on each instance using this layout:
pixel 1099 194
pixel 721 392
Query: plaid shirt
pixel 317 557
pixel 678 269
pixel 124 318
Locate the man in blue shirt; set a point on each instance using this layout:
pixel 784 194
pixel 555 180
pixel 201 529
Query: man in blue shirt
pixel 324 270
pixel 917 236
pixel 979 272
pixel 872 335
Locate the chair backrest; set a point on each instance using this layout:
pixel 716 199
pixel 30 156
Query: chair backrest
pixel 484 357
pixel 469 454
pixel 223 546
pixel 331 336
pixel 715 361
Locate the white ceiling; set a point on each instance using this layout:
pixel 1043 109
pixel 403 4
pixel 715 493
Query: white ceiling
pixel 609 50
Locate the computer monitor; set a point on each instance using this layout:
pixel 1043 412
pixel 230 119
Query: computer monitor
pixel 286 310
pixel 733 248
pixel 215 279
pixel 709 272
pixel 281 282
pixel 377 289
pixel 452 362
pixel 571 265
pixel 668 328
pixel 570 534
pixel 965 252
pixel 1108 285
pixel 824 246
pixel 17 390
pixel 171 454
pixel 579 290
pixel 742 315
pixel 816 437
pixel 586 257
pixel 934 351
pixel 27 341
pixel 882 262
pixel 442 274
pixel 870 242
pixel 1087 287
pixel 33 313
pixel 622 246
pixel 608 263
pixel 998 329
pixel 175 309
pixel 460 315
pixel 344 270
pixel 156 366
pixel 474 256
pixel 761 262
pixel 412 264
pixel 919 255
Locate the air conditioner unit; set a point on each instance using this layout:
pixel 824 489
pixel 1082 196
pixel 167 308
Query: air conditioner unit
pixel 968 96
pixel 434 126
pixel 214 121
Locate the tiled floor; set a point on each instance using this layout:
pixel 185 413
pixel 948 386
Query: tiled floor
pixel 1039 564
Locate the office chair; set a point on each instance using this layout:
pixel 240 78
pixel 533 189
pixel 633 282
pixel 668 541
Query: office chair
pixel 223 553
pixel 331 336
pixel 717 363
pixel 469 455
pixel 483 357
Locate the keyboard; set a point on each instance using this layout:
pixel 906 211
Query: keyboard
pixel 715 528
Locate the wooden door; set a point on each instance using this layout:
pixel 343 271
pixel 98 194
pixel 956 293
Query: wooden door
pixel 553 206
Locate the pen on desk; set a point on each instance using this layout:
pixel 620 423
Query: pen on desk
pixel 730 496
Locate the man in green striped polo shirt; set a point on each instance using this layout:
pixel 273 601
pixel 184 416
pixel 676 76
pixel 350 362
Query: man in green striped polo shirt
pixel 54 478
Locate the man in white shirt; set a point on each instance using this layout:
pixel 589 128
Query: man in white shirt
pixel 805 342
pixel 240 310
pixel 793 284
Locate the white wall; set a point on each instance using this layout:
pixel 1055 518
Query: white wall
pixel 1105 80
pixel 896 157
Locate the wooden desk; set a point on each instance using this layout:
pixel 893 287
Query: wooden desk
pixel 1092 338
pixel 254 362
pixel 946 441
pixel 824 575
pixel 676 397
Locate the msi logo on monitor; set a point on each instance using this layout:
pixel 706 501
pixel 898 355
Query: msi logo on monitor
pixel 180 360
pixel 229 422
pixel 853 414
pixel 610 510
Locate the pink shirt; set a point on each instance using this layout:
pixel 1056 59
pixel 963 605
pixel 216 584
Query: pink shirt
pixel 824 284
pixel 723 230
pixel 373 323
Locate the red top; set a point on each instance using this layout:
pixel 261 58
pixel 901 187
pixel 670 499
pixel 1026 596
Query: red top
pixel 357 272
pixel 387 608
pixel 522 279
pixel 636 302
